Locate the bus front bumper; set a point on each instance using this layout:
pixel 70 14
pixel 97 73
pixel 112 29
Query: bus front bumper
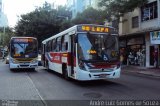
pixel 21 66
pixel 86 75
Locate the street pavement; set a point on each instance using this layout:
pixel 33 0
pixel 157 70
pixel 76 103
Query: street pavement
pixel 17 86
pixel 48 88
pixel 154 72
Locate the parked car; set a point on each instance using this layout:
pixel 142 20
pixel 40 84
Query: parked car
pixel 7 59
pixel 39 60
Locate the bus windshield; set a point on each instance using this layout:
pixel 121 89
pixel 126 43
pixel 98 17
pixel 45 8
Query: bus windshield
pixel 98 47
pixel 24 48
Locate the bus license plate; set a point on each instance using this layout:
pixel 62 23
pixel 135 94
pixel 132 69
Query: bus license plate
pixel 102 75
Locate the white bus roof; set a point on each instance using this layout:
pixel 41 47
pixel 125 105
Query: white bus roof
pixel 23 37
pixel 74 28
pixel 61 33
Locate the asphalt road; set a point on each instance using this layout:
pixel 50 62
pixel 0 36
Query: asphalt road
pixel 42 86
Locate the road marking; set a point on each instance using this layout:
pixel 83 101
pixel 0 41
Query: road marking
pixel 43 101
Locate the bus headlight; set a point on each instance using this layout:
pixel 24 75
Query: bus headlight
pixel 34 61
pixel 116 66
pixel 82 65
pixel 13 61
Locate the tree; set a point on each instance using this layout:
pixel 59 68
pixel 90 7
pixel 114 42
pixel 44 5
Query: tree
pixel 41 23
pixel 89 16
pixel 6 34
pixel 116 8
pixel 63 18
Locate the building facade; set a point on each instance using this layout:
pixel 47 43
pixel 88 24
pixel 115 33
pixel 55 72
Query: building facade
pixel 78 6
pixel 140 35
pixel 3 17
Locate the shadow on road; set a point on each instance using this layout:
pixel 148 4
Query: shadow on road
pixel 23 70
pixel 95 83
pixel 110 84
pixel 87 83
pixel 53 72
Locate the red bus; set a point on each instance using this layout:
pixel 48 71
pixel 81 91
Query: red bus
pixel 83 52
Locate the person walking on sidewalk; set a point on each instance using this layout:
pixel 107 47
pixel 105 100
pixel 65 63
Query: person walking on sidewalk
pixel 121 59
pixel 155 54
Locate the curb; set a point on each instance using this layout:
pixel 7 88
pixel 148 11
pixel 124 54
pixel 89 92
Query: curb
pixel 143 73
pixel 150 74
pixel 2 60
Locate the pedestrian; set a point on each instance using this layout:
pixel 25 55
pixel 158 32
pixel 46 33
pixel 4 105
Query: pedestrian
pixel 155 54
pixel 131 58
pixel 121 59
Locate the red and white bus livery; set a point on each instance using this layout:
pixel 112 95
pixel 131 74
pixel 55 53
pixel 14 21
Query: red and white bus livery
pixel 83 52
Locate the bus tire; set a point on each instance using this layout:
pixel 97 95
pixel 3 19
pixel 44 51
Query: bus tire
pixel 12 69
pixel 65 72
pixel 32 69
pixel 47 65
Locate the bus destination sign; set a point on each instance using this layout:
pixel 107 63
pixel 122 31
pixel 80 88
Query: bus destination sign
pixel 100 29
pixel 23 40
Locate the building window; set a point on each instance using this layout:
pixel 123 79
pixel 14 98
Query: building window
pixel 135 22
pixel 149 11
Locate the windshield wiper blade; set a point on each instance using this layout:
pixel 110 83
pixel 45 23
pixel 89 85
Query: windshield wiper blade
pixel 93 61
pixel 20 45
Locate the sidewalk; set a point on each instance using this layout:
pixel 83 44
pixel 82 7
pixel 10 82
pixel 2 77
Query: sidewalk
pixel 142 70
pixel 1 59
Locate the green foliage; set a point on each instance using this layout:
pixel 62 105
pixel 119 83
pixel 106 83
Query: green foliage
pixel 5 35
pixel 89 16
pixel 116 8
pixel 41 23
pixel 66 24
pixel 46 21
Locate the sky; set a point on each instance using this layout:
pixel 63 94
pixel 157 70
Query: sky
pixel 14 8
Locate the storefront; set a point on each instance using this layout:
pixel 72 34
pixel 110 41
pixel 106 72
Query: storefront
pixel 133 49
pixel 154 48
pixel 141 49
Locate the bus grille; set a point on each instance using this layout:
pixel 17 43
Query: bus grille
pixel 24 65
pixel 102 70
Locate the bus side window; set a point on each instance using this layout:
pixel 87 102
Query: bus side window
pixel 58 44
pixel 50 46
pixel 64 43
pixel 54 45
pixel 47 47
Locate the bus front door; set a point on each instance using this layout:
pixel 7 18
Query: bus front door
pixel 73 54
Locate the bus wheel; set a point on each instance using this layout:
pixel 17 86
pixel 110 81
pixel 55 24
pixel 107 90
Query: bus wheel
pixel 47 65
pixel 32 69
pixel 11 69
pixel 65 72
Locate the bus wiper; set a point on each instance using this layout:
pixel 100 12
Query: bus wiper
pixel 94 61
pixel 20 45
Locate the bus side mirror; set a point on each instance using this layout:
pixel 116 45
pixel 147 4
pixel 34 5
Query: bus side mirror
pixel 76 39
pixel 39 51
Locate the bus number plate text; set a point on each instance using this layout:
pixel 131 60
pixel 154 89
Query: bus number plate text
pixel 102 75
